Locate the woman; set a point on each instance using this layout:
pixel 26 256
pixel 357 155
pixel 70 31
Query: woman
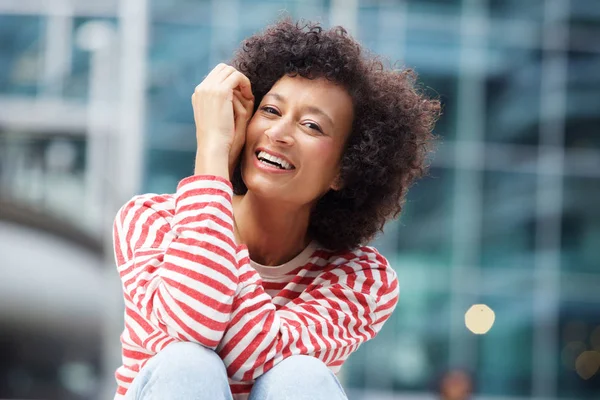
pixel 266 281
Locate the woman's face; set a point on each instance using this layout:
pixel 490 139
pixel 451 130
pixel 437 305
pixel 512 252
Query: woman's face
pixel 295 140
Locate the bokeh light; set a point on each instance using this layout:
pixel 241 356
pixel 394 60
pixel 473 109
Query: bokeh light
pixel 587 364
pixel 570 353
pixel 479 319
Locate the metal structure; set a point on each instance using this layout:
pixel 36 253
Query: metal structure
pixel 100 111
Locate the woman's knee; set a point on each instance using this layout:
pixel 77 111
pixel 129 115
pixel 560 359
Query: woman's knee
pixel 300 377
pixel 185 368
pixel 187 358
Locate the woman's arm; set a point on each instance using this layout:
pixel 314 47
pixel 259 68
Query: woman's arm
pixel 343 308
pixel 176 256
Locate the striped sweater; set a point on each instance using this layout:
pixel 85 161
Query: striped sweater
pixel 184 278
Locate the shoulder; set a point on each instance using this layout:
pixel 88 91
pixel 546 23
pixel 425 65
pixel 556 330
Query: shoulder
pixel 363 268
pixel 364 254
pixel 367 256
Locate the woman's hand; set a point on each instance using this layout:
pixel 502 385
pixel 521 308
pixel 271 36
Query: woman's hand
pixel 219 118
pixel 242 111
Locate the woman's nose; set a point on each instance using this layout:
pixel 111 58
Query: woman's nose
pixel 281 133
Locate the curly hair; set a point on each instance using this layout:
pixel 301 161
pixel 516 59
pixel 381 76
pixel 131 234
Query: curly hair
pixel 391 133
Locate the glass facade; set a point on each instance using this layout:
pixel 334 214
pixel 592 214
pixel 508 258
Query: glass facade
pixel 508 216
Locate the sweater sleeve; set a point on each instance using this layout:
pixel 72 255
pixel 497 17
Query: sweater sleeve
pixel 176 256
pixel 345 306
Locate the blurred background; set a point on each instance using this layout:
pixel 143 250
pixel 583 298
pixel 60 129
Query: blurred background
pixel 95 107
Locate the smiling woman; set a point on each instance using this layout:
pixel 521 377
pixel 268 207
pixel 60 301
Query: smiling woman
pixel 254 278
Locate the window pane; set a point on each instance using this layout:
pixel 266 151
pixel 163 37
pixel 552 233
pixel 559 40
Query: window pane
pixel 585 25
pixel 443 88
pixel 444 7
pixel 512 95
pixel 77 83
pixel 508 221
pixel 579 350
pixel 411 348
pixel 166 168
pixel 175 70
pixel 505 352
pixel 581 225
pixel 21 46
pixel 423 231
pixel 583 101
pixel 531 9
pixel 432 48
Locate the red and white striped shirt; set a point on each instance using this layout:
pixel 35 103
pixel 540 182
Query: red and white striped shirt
pixel 185 279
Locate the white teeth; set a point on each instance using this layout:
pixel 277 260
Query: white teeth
pixel 267 156
pixel 285 164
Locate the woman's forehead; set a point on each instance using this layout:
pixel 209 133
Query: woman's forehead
pixel 318 92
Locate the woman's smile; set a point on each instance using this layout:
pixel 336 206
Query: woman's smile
pixel 266 163
pixel 272 158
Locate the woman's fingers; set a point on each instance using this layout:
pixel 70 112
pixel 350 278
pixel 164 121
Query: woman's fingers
pixel 240 110
pixel 215 72
pixel 241 116
pixel 248 104
pixel 237 80
pixel 224 73
pixel 225 77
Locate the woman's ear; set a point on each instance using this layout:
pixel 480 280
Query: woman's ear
pixel 338 183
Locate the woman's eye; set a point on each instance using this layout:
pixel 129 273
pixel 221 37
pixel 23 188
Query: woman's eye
pixel 270 110
pixel 313 126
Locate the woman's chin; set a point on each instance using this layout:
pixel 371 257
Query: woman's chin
pixel 263 188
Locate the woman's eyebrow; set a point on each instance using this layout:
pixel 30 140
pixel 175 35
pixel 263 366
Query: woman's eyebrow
pixel 310 109
pixel 277 96
pixel 317 110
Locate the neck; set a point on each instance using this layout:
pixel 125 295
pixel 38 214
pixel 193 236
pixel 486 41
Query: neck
pixel 274 232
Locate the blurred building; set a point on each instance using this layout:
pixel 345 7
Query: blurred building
pixel 94 107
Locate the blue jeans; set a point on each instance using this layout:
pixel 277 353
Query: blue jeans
pixel 188 371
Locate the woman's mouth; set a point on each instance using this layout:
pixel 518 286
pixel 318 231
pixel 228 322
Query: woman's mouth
pixel 270 160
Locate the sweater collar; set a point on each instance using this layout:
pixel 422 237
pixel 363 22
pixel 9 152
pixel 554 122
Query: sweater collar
pixel 267 271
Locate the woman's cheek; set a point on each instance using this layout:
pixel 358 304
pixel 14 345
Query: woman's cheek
pixel 324 150
pixel 253 129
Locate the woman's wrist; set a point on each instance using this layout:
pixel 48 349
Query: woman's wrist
pixel 212 160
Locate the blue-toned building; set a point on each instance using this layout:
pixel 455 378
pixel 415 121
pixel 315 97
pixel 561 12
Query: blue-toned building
pixel 95 106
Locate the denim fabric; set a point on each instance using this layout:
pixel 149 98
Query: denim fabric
pixel 188 371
